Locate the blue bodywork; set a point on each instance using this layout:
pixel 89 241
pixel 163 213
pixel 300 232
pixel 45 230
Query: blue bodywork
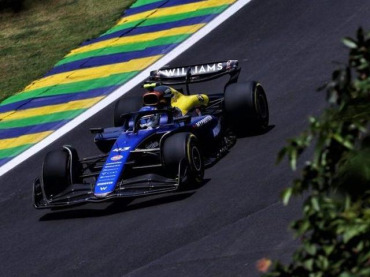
pixel 205 127
pixel 116 160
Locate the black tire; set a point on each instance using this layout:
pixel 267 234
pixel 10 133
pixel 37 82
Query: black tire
pixel 184 147
pixel 56 174
pixel 75 167
pixel 126 105
pixel 246 107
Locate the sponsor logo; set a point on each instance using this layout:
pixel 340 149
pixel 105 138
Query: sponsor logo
pixel 121 149
pixel 108 172
pixel 107 177
pixel 173 72
pixel 204 121
pixel 111 167
pixel 104 183
pixel 103 188
pixel 198 69
pixel 116 158
pixel 114 164
pixel 104 173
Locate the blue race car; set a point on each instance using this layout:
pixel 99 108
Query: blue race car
pixel 161 141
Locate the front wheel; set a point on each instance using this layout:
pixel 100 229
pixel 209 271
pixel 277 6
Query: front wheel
pixel 183 148
pixel 55 173
pixel 246 107
pixel 60 169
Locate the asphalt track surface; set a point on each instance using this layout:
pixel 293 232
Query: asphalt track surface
pixel 235 218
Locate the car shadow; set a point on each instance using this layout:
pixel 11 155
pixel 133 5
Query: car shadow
pixel 256 133
pixel 120 205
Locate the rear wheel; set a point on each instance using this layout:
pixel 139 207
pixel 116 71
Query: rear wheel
pixel 184 148
pixel 246 107
pixel 126 105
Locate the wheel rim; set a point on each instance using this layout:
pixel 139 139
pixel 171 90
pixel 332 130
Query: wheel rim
pixel 196 158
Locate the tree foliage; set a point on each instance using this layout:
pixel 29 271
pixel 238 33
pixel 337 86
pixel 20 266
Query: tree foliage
pixel 335 227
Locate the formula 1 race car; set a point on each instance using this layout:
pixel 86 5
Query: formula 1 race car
pixel 161 141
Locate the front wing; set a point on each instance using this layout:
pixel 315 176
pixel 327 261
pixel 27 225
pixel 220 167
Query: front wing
pixel 144 185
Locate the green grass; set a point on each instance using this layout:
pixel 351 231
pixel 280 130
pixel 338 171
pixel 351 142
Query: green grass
pixel 34 40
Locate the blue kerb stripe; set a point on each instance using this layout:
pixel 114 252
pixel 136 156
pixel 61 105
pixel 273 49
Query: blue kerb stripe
pixel 4 161
pixel 57 99
pixel 153 28
pixel 145 8
pixel 37 128
pixel 159 4
pixel 111 59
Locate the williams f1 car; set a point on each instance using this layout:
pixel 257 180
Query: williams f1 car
pixel 161 141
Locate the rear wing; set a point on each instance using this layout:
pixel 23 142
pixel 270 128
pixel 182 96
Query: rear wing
pixel 195 73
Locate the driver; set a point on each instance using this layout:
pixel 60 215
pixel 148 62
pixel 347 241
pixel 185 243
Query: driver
pixel 165 97
pixel 149 121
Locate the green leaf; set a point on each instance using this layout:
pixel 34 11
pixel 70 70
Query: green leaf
pixel 346 274
pixel 293 159
pixel 287 193
pixel 312 119
pixel 350 233
pixel 281 155
pixel 360 246
pixel 315 204
pixel 304 227
pixel 310 248
pixel 315 274
pixel 363 66
pixel 308 264
pixel 328 249
pixel 323 262
pixel 343 141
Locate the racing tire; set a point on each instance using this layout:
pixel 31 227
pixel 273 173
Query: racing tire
pixel 56 174
pixel 126 105
pixel 246 107
pixel 184 148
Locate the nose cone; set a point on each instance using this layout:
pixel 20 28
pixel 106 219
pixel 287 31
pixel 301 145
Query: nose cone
pixel 115 163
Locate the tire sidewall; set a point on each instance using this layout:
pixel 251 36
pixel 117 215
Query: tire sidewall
pixel 261 106
pixel 194 160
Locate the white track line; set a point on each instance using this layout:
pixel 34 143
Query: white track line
pixel 126 87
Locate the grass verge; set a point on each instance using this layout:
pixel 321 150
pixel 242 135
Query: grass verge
pixel 33 40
